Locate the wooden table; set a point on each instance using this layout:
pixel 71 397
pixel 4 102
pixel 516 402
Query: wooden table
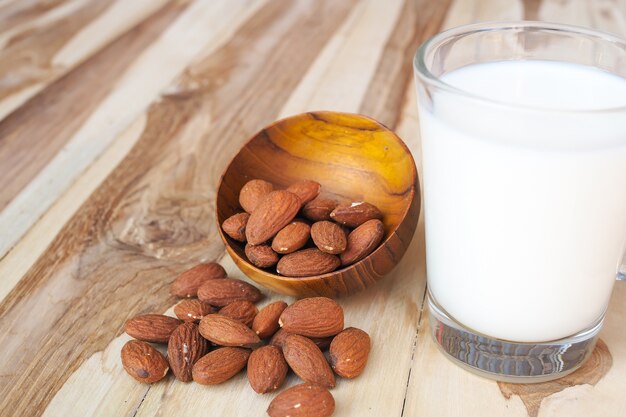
pixel 118 118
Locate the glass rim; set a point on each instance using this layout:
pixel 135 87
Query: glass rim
pixel 427 77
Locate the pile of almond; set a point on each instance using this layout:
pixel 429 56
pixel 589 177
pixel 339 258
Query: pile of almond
pixel 221 331
pixel 329 236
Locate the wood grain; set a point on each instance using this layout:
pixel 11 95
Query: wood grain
pixel 47 120
pixel 121 199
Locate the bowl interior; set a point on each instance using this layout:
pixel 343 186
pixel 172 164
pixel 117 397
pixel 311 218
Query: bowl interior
pixel 353 157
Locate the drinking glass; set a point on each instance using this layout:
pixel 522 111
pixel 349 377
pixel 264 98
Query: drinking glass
pixel 524 205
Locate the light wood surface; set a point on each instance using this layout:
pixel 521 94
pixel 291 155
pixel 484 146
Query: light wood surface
pixel 118 118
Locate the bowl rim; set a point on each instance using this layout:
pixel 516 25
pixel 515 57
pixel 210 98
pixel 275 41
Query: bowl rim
pixel 381 246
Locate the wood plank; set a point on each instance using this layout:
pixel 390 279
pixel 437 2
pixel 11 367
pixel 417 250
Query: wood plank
pixel 137 82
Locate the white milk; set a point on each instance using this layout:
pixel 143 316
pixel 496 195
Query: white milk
pixel 525 210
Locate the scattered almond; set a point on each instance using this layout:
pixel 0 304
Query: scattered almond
pixel 313 317
pixel 267 369
pixel 265 323
pixel 242 310
pixel 279 339
pixel 319 209
pixel 304 400
pixel 252 193
pixel 308 361
pixel 291 237
pixel 220 365
pixel 187 283
pixel 307 262
pixel 362 241
pixel 306 190
pixel 329 237
pixel 349 351
pixel 355 214
pixel 143 362
pixel 220 292
pixel 261 255
pixel 155 328
pixel 192 309
pixel 184 348
pixel 235 226
pixel 225 331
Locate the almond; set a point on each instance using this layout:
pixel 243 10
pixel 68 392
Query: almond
pixel 304 400
pixel 273 213
pixel 155 328
pixel 143 362
pixel 192 309
pixel 235 226
pixel 267 369
pixel 279 339
pixel 225 331
pixel 220 292
pixel 307 262
pixel 291 237
pixel 184 348
pixel 362 241
pixel 355 214
pixel 242 310
pixel 308 361
pixel 187 283
pixel 349 351
pixel 306 190
pixel 329 237
pixel 265 323
pixel 319 209
pixel 252 193
pixel 313 317
pixel 220 365
pixel 261 255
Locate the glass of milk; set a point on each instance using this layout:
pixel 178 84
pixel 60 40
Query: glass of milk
pixel 523 128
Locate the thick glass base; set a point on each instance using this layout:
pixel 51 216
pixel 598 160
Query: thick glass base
pixel 503 360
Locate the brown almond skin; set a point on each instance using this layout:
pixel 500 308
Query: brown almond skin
pixel 155 328
pixel 273 213
pixel 226 331
pixel 242 310
pixel 329 237
pixel 184 348
pixel 319 209
pixel 261 255
pixel 235 226
pixel 220 365
pixel 265 323
pixel 291 237
pixel 349 351
pixel 192 309
pixel 279 339
pixel 306 263
pixel 313 317
pixel 143 362
pixel 253 192
pixel 267 369
pixel 221 292
pixel 304 400
pixel 308 361
pixel 186 284
pixel 362 241
pixel 306 190
pixel 355 214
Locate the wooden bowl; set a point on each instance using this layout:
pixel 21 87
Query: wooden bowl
pixel 354 158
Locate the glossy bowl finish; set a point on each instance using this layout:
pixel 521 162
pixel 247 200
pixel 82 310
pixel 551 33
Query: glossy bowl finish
pixel 354 158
